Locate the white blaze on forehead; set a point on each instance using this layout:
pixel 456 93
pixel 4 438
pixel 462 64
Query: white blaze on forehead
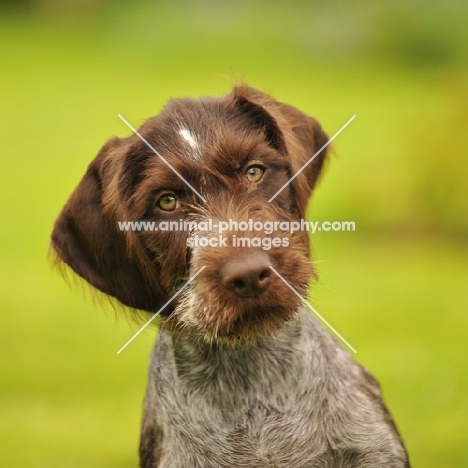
pixel 188 137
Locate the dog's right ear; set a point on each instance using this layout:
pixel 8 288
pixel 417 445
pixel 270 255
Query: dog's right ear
pixel 290 130
pixel 88 240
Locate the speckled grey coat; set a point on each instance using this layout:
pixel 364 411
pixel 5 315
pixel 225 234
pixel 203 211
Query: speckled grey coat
pixel 297 400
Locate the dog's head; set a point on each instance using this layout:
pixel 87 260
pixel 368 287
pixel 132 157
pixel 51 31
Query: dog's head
pixel 219 159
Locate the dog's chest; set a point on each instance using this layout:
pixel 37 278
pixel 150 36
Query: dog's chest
pixel 219 412
pixel 296 402
pixel 264 432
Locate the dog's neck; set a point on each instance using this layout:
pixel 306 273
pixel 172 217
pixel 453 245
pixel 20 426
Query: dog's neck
pixel 232 378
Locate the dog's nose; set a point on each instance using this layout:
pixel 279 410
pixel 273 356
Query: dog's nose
pixel 248 276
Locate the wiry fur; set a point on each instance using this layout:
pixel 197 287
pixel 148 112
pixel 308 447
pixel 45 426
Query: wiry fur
pixel 236 379
pixel 296 400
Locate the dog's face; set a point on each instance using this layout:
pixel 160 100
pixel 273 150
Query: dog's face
pixel 235 153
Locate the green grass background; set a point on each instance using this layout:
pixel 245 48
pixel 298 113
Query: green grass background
pixel 397 288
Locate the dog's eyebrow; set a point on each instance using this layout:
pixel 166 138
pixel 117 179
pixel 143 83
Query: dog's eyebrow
pixel 312 158
pixel 168 164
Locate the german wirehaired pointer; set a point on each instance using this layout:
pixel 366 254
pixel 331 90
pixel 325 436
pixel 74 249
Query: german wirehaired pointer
pixel 241 375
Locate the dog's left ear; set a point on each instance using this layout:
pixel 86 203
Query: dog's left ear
pixel 290 130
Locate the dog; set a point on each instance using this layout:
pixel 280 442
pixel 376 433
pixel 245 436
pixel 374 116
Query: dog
pixel 242 375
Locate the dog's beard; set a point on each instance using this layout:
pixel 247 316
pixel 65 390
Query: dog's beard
pixel 207 312
pixel 238 322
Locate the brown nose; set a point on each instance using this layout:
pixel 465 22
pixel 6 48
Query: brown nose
pixel 248 276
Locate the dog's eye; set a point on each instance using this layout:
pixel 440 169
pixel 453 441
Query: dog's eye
pixel 255 173
pixel 168 202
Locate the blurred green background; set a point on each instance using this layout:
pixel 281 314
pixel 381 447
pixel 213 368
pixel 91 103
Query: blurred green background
pixel 397 288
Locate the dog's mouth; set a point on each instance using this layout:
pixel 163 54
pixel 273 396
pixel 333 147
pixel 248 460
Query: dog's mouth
pixel 235 323
pixel 246 326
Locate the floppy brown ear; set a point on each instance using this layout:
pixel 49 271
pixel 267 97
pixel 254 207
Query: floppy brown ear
pixel 89 241
pixel 301 136
pixel 305 162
